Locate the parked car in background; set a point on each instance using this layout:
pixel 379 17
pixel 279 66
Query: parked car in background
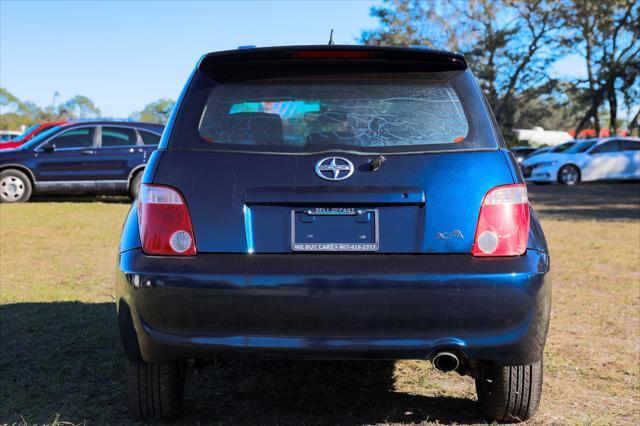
pixel 87 157
pixel 31 133
pixel 540 151
pixel 324 202
pixel 588 160
pixel 7 135
pixel 521 152
pixel 544 152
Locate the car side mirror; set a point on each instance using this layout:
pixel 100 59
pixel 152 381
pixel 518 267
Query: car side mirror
pixel 49 149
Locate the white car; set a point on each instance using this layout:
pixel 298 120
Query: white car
pixel 588 160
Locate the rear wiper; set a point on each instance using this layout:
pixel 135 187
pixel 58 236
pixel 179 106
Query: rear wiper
pixel 376 163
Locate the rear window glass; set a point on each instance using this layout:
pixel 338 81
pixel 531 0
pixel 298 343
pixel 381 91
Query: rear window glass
pixel 149 138
pixel 118 136
pixel 356 112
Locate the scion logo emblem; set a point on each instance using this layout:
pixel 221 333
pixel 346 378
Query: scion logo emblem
pixel 334 168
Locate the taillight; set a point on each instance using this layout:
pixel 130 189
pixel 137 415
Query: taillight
pixel 165 224
pixel 503 225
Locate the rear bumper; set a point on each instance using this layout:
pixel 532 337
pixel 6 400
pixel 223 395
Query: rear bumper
pixel 333 306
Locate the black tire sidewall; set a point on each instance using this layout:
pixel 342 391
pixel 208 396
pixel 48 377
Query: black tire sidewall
pixel 503 399
pixel 27 185
pixel 155 391
pixel 134 185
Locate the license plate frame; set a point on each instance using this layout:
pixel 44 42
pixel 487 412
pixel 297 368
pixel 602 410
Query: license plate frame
pixel 353 247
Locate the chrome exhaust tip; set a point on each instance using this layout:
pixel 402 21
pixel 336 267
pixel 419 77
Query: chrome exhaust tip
pixel 446 361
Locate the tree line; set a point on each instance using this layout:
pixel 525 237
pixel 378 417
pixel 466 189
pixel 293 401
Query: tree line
pixel 15 113
pixel 511 45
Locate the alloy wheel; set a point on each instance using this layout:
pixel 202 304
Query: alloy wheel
pixel 569 175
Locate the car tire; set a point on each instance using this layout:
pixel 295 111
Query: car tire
pixel 15 186
pixel 511 393
pixel 134 185
pixel 569 175
pixel 155 391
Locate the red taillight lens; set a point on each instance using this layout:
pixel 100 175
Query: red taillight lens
pixel 165 224
pixel 503 225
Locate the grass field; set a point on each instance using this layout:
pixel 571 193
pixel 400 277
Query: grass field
pixel 61 360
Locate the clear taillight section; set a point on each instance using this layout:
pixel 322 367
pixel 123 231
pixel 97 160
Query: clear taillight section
pixel 165 224
pixel 503 225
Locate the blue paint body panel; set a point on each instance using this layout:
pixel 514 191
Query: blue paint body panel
pixel 345 306
pixel 247 292
pixel 443 194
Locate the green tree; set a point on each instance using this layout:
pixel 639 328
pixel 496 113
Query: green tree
pixel 509 44
pixel 155 112
pixel 11 104
pixel 607 35
pixel 13 112
pixel 77 107
pixel 559 105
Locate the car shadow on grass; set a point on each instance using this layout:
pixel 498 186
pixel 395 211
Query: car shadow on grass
pixel 609 201
pixel 65 359
pixel 109 199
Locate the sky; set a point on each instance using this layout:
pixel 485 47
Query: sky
pixel 125 54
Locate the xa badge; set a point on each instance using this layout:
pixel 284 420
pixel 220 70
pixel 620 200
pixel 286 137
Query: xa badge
pixel 334 168
pixel 448 235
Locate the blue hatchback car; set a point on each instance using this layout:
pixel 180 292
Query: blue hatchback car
pixel 334 202
pixel 97 157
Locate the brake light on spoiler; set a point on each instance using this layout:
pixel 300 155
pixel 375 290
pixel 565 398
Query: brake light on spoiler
pixel 333 54
pixel 164 221
pixel 503 224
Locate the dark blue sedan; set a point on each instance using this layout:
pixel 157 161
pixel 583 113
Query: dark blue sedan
pixel 90 157
pixel 334 202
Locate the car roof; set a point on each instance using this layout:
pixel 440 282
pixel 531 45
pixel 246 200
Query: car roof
pixel 610 138
pixel 138 124
pixel 328 52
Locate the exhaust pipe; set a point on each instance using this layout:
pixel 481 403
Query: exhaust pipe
pixel 446 361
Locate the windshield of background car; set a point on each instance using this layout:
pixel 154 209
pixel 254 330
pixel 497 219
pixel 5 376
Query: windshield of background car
pixel 44 129
pixel 562 148
pixel 383 112
pixel 538 152
pixel 580 147
pixel 26 132
pixel 40 138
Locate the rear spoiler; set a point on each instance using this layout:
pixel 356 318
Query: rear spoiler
pixel 332 54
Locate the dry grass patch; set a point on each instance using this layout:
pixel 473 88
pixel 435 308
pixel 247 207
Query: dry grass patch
pixel 61 358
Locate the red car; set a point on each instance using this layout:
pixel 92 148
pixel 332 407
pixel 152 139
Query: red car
pixel 30 133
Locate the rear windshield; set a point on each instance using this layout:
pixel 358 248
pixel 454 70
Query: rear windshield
pixel 354 112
